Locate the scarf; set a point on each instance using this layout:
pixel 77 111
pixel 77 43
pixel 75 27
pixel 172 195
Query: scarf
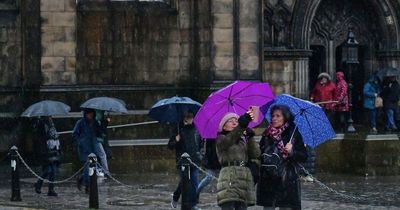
pixel 276 135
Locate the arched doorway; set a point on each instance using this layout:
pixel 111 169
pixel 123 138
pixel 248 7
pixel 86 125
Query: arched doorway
pixel 328 29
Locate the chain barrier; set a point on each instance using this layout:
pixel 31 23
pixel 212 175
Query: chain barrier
pixel 114 179
pixel 202 170
pixel 342 195
pixel 46 180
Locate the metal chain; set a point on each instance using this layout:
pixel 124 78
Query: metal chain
pixel 114 179
pixel 202 170
pixel 348 197
pixel 46 180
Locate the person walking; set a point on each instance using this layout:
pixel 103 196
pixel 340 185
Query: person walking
pixel 187 141
pixel 210 163
pixel 342 98
pixel 390 96
pixel 49 152
pixel 102 141
pixel 279 186
pixel 371 90
pixel 236 147
pixel 84 133
pixel 324 94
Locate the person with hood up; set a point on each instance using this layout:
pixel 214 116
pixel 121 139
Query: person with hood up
pixel 342 98
pixel 371 91
pixel 236 148
pixel 49 152
pixel 324 93
pixel 84 134
pixel 279 185
pixel 390 96
pixel 187 140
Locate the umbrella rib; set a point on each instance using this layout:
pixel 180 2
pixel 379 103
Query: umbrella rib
pixel 247 96
pixel 208 120
pixel 243 89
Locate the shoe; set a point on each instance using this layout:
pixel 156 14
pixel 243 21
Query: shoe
pixel 87 189
pixel 308 178
pixel 37 188
pixel 195 208
pixel 374 131
pixel 52 193
pixel 100 174
pixel 174 204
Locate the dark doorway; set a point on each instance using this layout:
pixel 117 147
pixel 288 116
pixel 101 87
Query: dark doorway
pixel 358 79
pixel 316 64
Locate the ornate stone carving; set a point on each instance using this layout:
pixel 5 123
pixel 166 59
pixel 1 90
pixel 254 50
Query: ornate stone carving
pixel 277 16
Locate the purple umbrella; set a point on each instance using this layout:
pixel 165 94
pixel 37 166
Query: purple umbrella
pixel 236 97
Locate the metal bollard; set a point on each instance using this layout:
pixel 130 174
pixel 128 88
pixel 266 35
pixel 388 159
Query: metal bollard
pixel 93 190
pixel 15 186
pixel 185 170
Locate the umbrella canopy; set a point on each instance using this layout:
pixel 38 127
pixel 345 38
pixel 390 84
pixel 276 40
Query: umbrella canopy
pixel 172 109
pixel 46 108
pixel 106 104
pixel 388 72
pixel 236 97
pixel 309 118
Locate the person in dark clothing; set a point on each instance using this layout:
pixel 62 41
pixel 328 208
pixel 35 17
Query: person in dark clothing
pixel 281 187
pixel 49 152
pixel 84 134
pixel 390 96
pixel 210 163
pixel 187 141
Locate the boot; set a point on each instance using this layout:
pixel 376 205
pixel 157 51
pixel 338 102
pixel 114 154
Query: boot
pixel 52 193
pixel 38 187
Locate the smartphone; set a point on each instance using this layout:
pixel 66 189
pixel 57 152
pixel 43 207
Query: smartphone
pixel 256 112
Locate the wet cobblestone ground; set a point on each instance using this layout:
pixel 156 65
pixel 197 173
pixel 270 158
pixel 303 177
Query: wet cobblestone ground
pixel 153 192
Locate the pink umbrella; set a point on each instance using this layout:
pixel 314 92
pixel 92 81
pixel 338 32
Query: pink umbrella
pixel 236 97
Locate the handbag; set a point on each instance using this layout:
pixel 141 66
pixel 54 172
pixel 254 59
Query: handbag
pixel 272 163
pixel 378 102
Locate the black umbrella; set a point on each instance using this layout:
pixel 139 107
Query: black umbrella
pixel 46 108
pixel 106 104
pixel 388 72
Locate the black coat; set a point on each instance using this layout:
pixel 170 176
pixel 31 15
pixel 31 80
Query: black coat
pixel 42 135
pixel 210 159
pixel 390 95
pixel 282 192
pixel 189 143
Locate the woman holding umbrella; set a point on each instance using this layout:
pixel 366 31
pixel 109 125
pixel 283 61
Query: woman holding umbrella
pixel 282 148
pixel 235 147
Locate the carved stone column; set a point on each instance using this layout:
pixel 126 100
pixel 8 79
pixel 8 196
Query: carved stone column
pixel 287 71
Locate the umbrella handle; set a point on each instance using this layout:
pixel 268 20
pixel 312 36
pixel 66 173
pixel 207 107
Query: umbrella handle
pixel 291 138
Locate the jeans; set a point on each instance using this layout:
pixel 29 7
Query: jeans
pixel 234 205
pixel 194 182
pixel 49 171
pixel 206 180
pixel 101 154
pixel 372 117
pixel 390 123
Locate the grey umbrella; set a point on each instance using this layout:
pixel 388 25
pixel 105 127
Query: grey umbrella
pixel 106 104
pixel 46 108
pixel 388 72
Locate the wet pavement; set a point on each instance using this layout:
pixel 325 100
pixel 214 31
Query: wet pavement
pixel 153 192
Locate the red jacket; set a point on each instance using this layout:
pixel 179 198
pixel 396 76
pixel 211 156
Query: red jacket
pixel 324 92
pixel 341 93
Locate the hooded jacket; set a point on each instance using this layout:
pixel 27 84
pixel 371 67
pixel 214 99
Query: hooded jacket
pixel 341 93
pixel 324 92
pixel 370 89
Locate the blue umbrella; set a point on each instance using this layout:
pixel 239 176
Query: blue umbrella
pixel 171 109
pixel 309 118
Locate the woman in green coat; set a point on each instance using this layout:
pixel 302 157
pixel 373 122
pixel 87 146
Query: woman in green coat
pixel 235 149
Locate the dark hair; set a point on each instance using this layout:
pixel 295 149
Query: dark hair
pixel 287 114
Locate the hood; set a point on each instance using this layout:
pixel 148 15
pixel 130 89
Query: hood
pixel 339 75
pixel 324 74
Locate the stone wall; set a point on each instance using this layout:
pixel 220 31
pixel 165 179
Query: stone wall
pixel 58 42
